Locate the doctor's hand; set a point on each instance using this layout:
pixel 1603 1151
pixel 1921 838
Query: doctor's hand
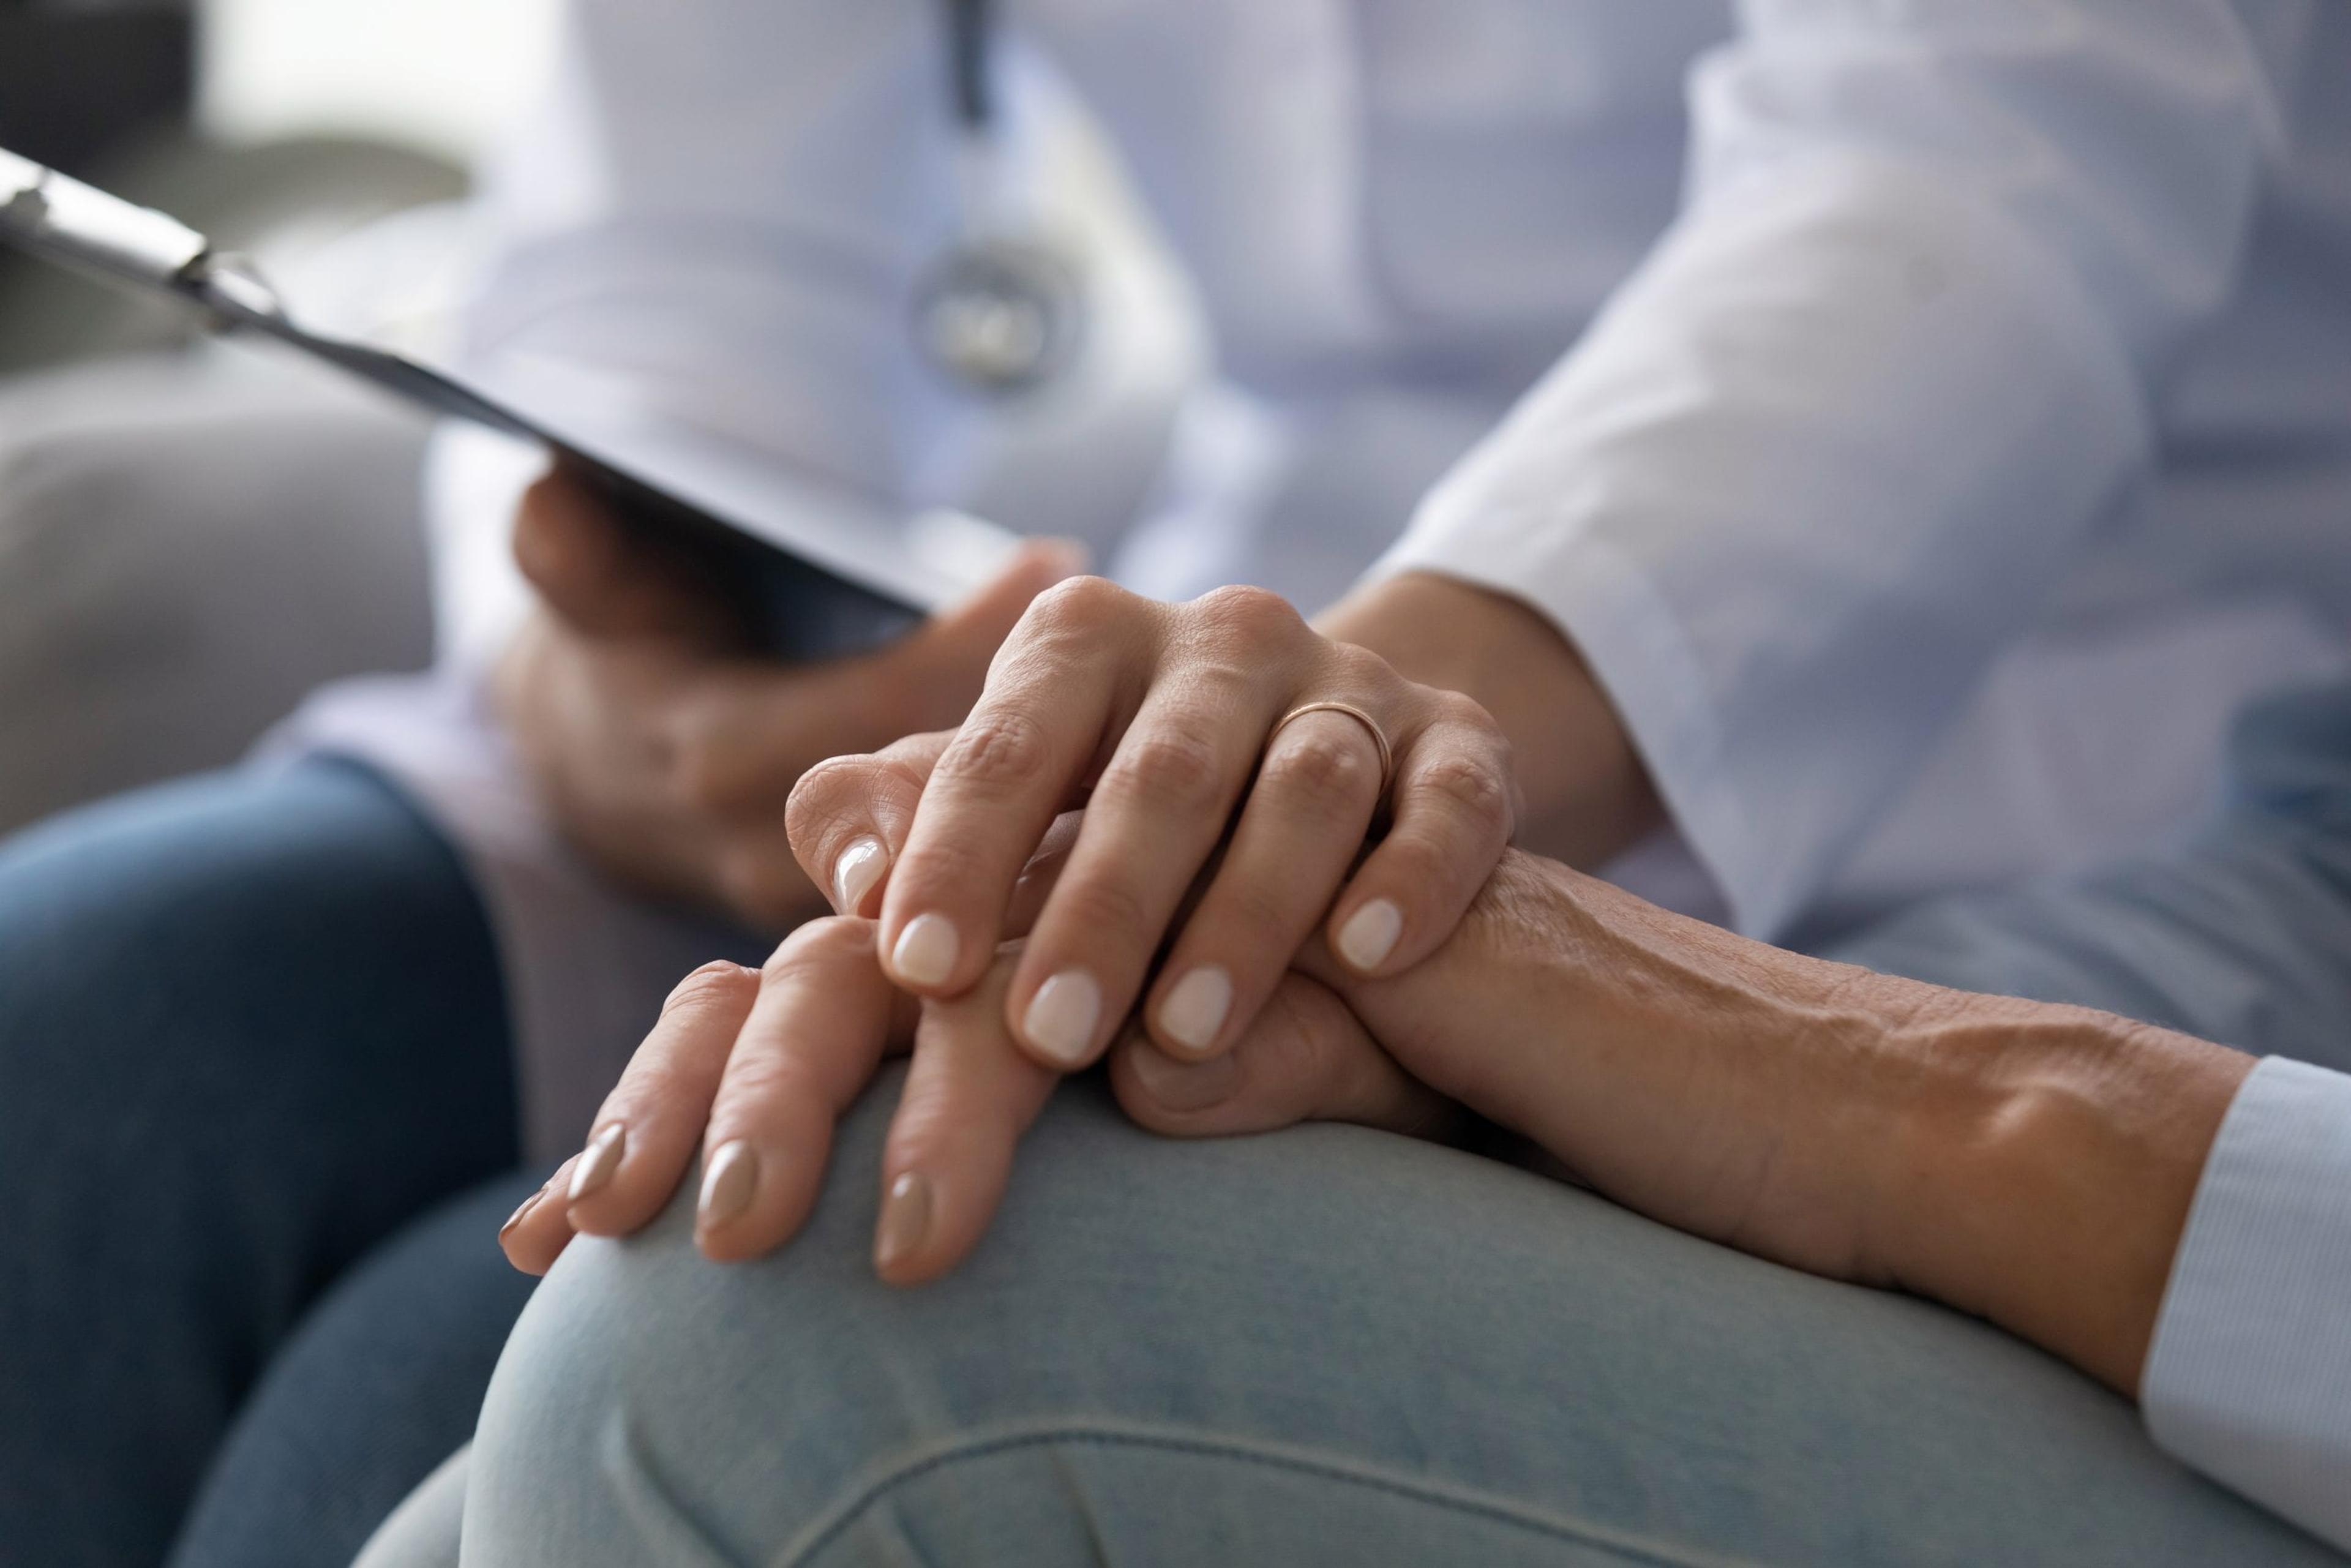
pixel 666 756
pixel 1222 737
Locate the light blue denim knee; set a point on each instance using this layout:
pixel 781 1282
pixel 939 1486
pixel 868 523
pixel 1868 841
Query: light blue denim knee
pixel 1324 1346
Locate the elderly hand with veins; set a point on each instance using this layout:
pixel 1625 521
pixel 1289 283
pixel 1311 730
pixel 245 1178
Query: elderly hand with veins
pixel 2028 1163
pixel 754 1067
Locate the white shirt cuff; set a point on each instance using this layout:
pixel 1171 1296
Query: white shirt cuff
pixel 2249 1379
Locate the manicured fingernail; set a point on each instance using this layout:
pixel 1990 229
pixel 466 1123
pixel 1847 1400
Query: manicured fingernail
pixel 1183 1085
pixel 1370 934
pixel 926 953
pixel 1195 1007
pixel 905 1221
pixel 598 1162
pixel 517 1217
pixel 861 865
pixel 728 1179
pixel 1062 1015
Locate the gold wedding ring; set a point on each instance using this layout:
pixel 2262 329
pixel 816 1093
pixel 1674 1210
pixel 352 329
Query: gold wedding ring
pixel 1379 736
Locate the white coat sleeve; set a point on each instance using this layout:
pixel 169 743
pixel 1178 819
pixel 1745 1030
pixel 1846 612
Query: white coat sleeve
pixel 1822 453
pixel 718 218
pixel 2249 1378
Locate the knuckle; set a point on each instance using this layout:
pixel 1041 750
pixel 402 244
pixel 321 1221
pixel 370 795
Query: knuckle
pixel 1103 912
pixel 1323 770
pixel 944 874
pixel 1258 614
pixel 1357 668
pixel 999 752
pixel 717 984
pixel 1078 606
pixel 1460 709
pixel 1471 787
pixel 1311 1051
pixel 1255 915
pixel 1176 771
pixel 1433 860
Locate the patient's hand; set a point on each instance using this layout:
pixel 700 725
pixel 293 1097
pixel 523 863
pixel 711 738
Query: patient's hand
pixel 755 1066
pixel 2030 1162
pixel 666 756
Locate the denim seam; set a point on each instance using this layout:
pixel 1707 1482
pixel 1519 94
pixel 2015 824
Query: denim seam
pixel 828 1530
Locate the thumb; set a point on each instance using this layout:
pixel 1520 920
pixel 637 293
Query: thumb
pixel 1307 1058
pixel 598 576
pixel 966 636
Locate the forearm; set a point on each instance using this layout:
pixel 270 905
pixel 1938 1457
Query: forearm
pixel 1584 790
pixel 2029 1163
pixel 2044 1179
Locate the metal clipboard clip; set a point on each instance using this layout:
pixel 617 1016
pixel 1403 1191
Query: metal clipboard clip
pixel 796 588
pixel 62 220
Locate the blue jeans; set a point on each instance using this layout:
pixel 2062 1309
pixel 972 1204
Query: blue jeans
pixel 251 1027
pixel 1325 1346
pixel 1336 1347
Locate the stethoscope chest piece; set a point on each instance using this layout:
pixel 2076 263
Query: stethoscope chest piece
pixel 1003 311
pixel 1000 313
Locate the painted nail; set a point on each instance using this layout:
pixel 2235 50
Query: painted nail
pixel 861 865
pixel 1061 1017
pixel 1195 1007
pixel 926 953
pixel 598 1162
pixel 728 1178
pixel 905 1221
pixel 1183 1085
pixel 1370 934
pixel 517 1217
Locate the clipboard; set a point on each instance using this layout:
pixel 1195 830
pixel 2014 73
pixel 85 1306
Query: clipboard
pixel 806 573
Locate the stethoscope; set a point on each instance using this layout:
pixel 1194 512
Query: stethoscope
pixel 1002 310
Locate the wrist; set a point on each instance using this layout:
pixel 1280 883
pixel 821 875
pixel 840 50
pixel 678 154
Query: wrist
pixel 2044 1173
pixel 1586 793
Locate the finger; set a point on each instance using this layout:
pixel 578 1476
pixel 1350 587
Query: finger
pixel 1455 799
pixel 824 1016
pixel 1155 820
pixel 1307 812
pixel 645 1134
pixel 748 738
pixel 1057 688
pixel 947 659
pixel 599 578
pixel 1305 1058
pixel 849 817
pixel 969 1099
pixel 538 1232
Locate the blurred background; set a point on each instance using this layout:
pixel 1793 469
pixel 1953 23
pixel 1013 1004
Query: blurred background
pixel 192 534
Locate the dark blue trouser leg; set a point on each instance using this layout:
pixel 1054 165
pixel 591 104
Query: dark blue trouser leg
pixel 249 1026
pixel 380 1383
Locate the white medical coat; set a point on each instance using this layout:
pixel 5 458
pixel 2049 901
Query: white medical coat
pixel 1931 420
